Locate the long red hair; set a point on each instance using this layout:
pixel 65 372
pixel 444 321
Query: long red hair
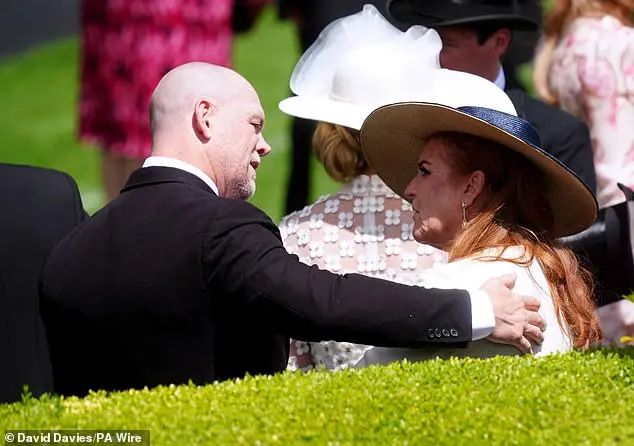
pixel 555 24
pixel 517 213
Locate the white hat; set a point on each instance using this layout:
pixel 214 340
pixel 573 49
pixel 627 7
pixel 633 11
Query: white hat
pixel 361 62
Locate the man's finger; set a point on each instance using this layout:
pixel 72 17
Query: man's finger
pixel 524 346
pixel 530 302
pixel 534 334
pixel 509 280
pixel 535 319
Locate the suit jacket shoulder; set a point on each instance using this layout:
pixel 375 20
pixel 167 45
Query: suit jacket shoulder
pixel 49 187
pixel 39 207
pixel 564 136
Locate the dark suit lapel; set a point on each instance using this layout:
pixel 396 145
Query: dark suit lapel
pixel 148 176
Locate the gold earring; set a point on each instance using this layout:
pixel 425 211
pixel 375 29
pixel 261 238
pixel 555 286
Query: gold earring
pixel 464 214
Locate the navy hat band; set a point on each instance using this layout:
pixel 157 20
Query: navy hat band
pixel 514 125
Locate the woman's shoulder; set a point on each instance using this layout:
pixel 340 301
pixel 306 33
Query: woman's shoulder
pixel 306 212
pixel 501 258
pixel 473 271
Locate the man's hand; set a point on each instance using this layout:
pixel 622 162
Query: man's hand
pixel 516 318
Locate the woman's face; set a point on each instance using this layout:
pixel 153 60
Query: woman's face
pixel 437 193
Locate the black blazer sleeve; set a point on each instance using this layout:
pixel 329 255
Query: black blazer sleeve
pixel 39 207
pixel 564 136
pixel 243 253
pixel 573 147
pixel 73 191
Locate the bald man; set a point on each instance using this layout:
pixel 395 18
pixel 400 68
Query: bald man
pixel 179 278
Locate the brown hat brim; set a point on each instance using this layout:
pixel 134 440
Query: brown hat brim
pixel 392 137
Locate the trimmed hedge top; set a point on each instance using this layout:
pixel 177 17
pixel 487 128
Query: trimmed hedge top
pixel 576 398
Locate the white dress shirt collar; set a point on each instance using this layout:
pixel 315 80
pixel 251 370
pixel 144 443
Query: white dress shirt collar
pixel 500 81
pixel 164 161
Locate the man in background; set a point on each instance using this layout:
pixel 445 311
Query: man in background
pixel 476 37
pixel 39 207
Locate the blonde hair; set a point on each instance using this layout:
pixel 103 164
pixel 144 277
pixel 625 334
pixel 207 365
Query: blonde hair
pixel 518 213
pixel 556 22
pixel 338 149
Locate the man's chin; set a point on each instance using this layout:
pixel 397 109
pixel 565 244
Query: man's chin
pixel 252 189
pixel 249 193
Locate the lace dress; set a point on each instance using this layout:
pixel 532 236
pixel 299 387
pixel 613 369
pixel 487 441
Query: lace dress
pixel 364 228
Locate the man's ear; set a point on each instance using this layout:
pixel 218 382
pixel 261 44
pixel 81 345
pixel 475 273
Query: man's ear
pixel 473 187
pixel 501 40
pixel 202 118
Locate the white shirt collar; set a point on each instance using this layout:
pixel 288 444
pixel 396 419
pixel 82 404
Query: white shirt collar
pixel 500 81
pixel 164 161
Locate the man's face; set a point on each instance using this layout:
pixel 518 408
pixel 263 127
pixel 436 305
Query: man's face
pixel 461 51
pixel 240 125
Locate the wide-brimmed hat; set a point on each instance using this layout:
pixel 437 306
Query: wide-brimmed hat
pixel 439 13
pixel 361 62
pixel 392 138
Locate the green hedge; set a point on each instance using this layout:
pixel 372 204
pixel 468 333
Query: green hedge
pixel 568 399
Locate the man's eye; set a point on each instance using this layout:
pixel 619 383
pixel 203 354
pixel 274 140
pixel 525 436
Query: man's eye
pixel 423 171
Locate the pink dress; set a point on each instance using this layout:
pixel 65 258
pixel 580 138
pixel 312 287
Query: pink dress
pixel 128 45
pixel 592 76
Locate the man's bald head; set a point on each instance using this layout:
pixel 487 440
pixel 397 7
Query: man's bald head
pixel 177 92
pixel 210 117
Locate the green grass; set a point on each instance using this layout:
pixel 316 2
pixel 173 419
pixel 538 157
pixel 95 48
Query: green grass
pixel 572 399
pixel 38 118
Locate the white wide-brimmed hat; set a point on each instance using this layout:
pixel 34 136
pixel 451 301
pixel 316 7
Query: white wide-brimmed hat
pixel 361 62
pixel 392 138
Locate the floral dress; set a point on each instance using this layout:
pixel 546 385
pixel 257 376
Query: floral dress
pixel 364 228
pixel 592 76
pixel 127 47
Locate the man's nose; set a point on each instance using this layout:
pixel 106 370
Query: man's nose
pixel 263 147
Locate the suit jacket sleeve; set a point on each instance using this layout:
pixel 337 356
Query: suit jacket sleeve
pixel 243 256
pixel 564 136
pixel 573 147
pixel 79 211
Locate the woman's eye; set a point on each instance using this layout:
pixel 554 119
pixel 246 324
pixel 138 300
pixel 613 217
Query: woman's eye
pixel 423 171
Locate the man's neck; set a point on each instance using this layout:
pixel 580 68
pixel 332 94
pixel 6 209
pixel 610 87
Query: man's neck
pixel 500 79
pixel 171 161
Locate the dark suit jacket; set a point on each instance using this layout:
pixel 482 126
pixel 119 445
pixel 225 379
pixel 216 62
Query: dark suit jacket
pixel 523 44
pixel 39 206
pixel 170 283
pixel 563 136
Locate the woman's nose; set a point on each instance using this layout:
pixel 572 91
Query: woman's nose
pixel 410 191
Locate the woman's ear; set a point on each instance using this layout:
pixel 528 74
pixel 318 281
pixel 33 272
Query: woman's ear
pixel 203 113
pixel 474 187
